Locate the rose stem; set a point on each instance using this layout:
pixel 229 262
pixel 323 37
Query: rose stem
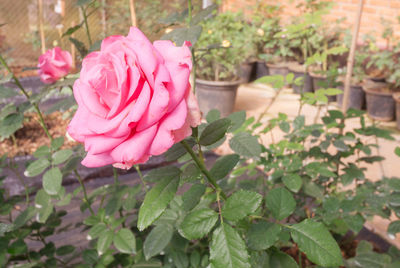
pixel 85 197
pixel 35 105
pixel 203 168
pixel 42 123
pixel 116 183
pixel 141 177
pixel 85 17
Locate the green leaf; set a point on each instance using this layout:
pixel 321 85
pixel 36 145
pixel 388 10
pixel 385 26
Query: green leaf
pixel 113 205
pixel 245 144
pixel 223 166
pixel 17 248
pixel 71 30
pixel 157 240
pixel 7 110
pixel 312 189
pixel 397 151
pixel 237 120
pixel 281 203
pixel 227 249
pixel 340 145
pixel 394 228
pixel 36 167
pixel 259 259
pixel 156 201
pixel 284 126
pixel 52 180
pixel 124 241
pixel 292 181
pixel 83 2
pixel 159 174
pixel 7 92
pixel 96 230
pixel 204 14
pixel 214 131
pixel 177 150
pixel 213 115
pixel 192 197
pixel 180 35
pixel 104 242
pixel 25 216
pixel 5 228
pixel 240 204
pixel 90 256
pixel 79 46
pixel 198 223
pixel 299 122
pixel 10 124
pixel 43 205
pixel 61 156
pixel 263 235
pixel 279 259
pixel 42 151
pixel 57 143
pixel 317 243
pixel 65 250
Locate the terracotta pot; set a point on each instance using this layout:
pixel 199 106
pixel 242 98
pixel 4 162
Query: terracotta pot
pixel 219 95
pixel 277 69
pixel 380 102
pixel 396 97
pixel 356 97
pixel 247 72
pixel 261 69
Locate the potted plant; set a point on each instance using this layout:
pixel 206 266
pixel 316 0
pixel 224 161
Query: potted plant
pixel 265 24
pixel 302 34
pixel 326 46
pixel 219 52
pixel 278 52
pixel 357 94
pixel 379 89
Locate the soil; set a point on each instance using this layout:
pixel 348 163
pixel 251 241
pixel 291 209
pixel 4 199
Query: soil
pixel 31 136
pixel 377 87
pixel 296 67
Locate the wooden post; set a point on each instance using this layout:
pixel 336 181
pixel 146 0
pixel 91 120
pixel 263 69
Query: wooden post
pixel 104 18
pixel 41 26
pixel 133 13
pixel 350 60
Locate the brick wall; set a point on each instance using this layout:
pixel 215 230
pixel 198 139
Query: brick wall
pixel 373 11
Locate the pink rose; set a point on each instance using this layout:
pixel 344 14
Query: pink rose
pixel 54 64
pixel 134 100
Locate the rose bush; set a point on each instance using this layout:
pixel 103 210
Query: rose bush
pixel 54 64
pixel 134 100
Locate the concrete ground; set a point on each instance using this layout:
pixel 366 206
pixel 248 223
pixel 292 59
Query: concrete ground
pixel 254 98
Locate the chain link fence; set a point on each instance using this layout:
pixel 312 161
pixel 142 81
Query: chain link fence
pixel 20 40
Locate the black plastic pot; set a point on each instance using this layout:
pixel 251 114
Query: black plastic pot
pixel 219 95
pixel 261 69
pixel 380 102
pixel 356 97
pixel 277 69
pixel 396 97
pixel 307 82
pixel 247 72
pixel 320 82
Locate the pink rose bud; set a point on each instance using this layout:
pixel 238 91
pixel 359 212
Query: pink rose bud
pixel 54 64
pixel 134 100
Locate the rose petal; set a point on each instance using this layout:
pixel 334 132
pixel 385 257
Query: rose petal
pixel 164 138
pixel 135 147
